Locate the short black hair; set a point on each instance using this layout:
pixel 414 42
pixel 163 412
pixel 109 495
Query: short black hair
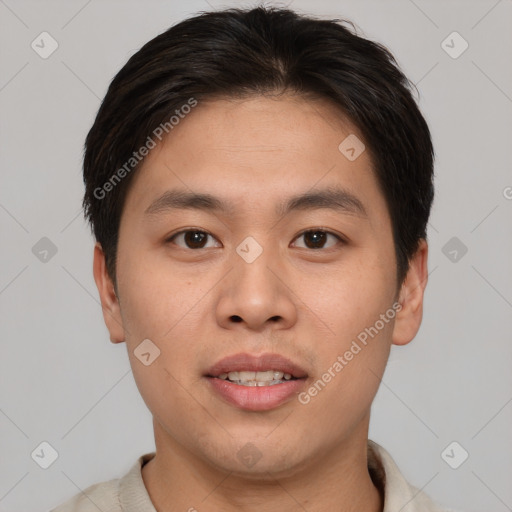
pixel 240 53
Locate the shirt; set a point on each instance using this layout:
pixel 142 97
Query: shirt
pixel 128 494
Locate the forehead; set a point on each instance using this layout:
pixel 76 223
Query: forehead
pixel 256 148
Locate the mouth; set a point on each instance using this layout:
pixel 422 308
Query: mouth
pixel 261 370
pixel 251 379
pixel 256 383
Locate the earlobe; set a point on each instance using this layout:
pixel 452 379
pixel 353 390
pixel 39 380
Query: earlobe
pixel 408 319
pixel 108 297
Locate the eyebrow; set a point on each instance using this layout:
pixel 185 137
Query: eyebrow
pixel 334 198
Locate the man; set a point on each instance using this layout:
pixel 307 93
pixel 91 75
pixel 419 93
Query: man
pixel 259 185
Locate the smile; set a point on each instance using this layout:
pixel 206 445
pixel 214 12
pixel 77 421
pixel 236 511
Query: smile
pixel 250 378
pixel 256 382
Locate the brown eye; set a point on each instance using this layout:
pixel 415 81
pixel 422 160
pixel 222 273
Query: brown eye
pixel 193 239
pixel 316 239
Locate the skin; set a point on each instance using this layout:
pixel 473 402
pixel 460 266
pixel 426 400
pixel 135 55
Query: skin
pixel 304 303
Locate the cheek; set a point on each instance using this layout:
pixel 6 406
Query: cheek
pixel 154 307
pixel 349 375
pixel 154 296
pixel 357 307
pixel 351 298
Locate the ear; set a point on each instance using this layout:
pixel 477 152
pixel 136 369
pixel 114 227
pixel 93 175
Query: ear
pixel 408 319
pixel 108 297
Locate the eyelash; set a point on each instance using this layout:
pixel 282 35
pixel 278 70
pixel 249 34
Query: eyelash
pixel 314 230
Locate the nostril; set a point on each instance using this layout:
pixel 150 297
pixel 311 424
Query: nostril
pixel 236 318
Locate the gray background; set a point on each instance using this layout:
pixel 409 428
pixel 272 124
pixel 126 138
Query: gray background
pixel 63 382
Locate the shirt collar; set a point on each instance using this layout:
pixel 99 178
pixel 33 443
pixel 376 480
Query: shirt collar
pixel 399 495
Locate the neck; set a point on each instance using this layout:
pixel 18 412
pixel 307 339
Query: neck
pixel 336 480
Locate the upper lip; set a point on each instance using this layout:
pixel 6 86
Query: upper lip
pixel 256 363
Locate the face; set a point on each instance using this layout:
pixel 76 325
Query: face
pixel 286 271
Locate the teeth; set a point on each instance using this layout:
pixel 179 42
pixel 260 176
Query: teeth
pixel 254 383
pixel 247 378
pixel 241 375
pixel 267 376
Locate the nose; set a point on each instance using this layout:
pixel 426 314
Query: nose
pixel 257 293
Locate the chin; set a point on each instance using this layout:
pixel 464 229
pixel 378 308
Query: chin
pixel 257 458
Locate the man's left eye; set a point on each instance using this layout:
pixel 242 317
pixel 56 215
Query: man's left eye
pixel 316 239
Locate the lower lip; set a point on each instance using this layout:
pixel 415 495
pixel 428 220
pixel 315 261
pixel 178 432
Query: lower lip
pixel 256 398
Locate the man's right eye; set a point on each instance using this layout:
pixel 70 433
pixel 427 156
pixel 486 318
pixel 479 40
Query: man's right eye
pixel 192 238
